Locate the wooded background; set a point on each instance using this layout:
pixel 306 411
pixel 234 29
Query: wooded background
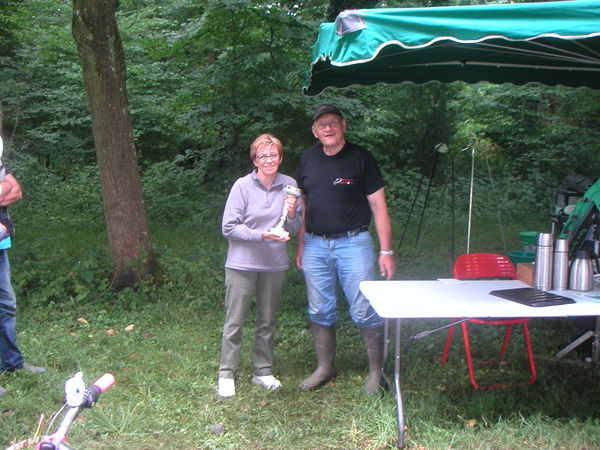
pixel 204 78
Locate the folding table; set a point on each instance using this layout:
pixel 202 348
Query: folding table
pixel 450 298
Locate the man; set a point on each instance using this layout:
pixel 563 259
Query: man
pixel 341 185
pixel 11 357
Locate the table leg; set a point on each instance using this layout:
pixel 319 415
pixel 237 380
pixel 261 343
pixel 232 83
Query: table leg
pixel 386 353
pixel 594 335
pixel 398 351
pixel 397 384
pixel 573 345
pixel 596 343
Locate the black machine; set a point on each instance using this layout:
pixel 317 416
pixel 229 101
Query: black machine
pixel 577 211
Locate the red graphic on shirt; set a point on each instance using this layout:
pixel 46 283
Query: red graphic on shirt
pixel 343 181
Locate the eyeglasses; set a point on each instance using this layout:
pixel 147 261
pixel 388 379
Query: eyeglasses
pixel 273 156
pixel 331 124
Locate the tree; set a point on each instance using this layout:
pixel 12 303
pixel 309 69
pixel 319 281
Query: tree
pixel 103 61
pixel 240 64
pixel 7 45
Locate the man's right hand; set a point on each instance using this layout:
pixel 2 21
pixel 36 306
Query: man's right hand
pixel 299 255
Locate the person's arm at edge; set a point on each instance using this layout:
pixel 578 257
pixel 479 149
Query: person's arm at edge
pixel 383 225
pixel 11 191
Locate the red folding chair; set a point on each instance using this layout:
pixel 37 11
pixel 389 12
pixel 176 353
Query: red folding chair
pixel 488 265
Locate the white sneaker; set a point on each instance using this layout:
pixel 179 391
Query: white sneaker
pixel 268 381
pixel 226 387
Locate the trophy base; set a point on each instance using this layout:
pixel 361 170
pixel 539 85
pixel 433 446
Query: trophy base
pixel 278 231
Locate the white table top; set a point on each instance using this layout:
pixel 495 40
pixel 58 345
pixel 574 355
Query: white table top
pixel 452 298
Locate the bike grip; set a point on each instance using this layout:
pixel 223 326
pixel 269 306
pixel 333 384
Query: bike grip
pixel 104 382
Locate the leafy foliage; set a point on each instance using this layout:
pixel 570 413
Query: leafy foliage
pixel 204 78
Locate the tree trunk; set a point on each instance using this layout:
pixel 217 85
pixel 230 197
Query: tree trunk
pixel 103 61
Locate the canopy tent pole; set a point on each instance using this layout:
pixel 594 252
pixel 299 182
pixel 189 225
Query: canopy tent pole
pixel 472 146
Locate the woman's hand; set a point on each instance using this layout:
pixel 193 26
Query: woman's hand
pixel 266 235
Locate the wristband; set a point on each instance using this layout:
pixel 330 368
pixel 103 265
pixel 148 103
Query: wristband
pixel 388 252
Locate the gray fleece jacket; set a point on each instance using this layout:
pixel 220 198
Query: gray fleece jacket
pixel 251 208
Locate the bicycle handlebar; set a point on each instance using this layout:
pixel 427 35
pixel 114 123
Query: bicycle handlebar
pixel 90 397
pixel 104 382
pixel 93 392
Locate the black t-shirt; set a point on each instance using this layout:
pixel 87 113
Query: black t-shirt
pixel 336 188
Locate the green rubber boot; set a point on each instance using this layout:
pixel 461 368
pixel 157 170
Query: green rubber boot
pixel 324 339
pixel 373 338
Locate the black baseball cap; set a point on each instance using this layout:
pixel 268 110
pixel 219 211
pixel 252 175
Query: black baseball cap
pixel 326 109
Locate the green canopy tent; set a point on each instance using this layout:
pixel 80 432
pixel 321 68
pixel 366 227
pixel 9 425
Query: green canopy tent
pixel 553 43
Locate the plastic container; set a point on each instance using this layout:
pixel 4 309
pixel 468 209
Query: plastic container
pixel 519 256
pixel 528 240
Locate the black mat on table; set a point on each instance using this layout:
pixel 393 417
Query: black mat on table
pixel 532 297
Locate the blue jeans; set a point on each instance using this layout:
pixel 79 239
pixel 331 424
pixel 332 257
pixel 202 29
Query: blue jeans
pixel 348 260
pixel 12 358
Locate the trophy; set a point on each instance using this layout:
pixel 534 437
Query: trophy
pixel 278 230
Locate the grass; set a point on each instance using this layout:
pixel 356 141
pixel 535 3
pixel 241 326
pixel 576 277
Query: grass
pixel 164 351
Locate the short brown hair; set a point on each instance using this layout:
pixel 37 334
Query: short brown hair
pixel 265 140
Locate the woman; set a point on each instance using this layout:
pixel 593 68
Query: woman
pixel 256 261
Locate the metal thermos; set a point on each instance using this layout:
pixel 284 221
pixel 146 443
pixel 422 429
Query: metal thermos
pixel 581 277
pixel 543 262
pixel 560 272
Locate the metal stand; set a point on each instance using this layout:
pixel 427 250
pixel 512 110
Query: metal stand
pixel 440 149
pixel 474 149
pixel 443 149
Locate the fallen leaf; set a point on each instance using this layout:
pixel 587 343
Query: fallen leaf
pixel 82 320
pixel 129 327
